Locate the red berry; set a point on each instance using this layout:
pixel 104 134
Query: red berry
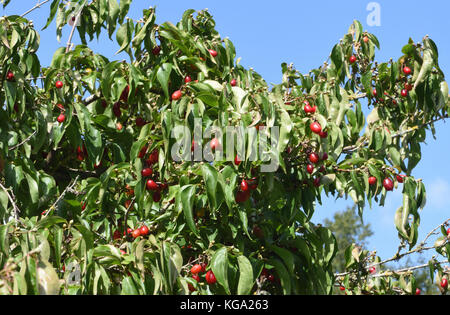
pixel 136 233
pixel 372 180
pixel 214 144
pixel 140 122
pixel 400 178
pixel 61 118
pixel 444 283
pixel 372 270
pixel 191 287
pixel 156 196
pixel 151 185
pixel 388 184
pixel 366 39
pixel 324 156
pixel 374 92
pixel 233 82
pixel 237 161
pixel 196 277
pixel 308 109
pixel 176 95
pixel 242 196
pixel 128 231
pixel 144 230
pixel 125 92
pixel 123 252
pixel 316 181
pixel 153 158
pixel 407 70
pixel 342 288
pixel 203 267
pixel 244 185
pixel 448 232
pixel 212 52
pixel 271 278
pixel 315 127
pixel 418 291
pixel 310 168
pixel 59 84
pixel 409 87
pixel 196 269
pixel 116 235
pixel 10 76
pixel 119 126
pixel 127 204
pixel 404 92
pixel 314 158
pixel 352 59
pixel 143 152
pixel 323 134
pixel 146 172
pixel 156 50
pixel 210 277
pixel 83 206
pixel 187 79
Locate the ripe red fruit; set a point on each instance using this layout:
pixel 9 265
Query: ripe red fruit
pixel 324 156
pixel 196 277
pixel 191 287
pixel 233 82
pixel 153 158
pixel 143 152
pixel 146 172
pixel 444 283
pixel 203 267
pixel 409 87
pixel 212 52
pixel 176 95
pixel 244 185
pixel 407 70
pixel 60 106
pixel 83 206
pixel 127 203
pixel 187 79
pixel 242 196
pixel 307 108
pixel 271 278
pixel 310 168
pixel 144 230
pixel 316 181
pixel 10 76
pixel 210 277
pixel 388 184
pixel 123 252
pixel 116 235
pixel 140 122
pixel 119 126
pixel 314 158
pixel 214 144
pixel 237 161
pixel 128 232
pixel 156 196
pixel 323 134
pixel 404 92
pixel 400 178
pixel 61 118
pixel 448 232
pixel 342 288
pixel 58 84
pixel 152 185
pixel 366 39
pixel 136 233
pixel 352 59
pixel 156 50
pixel 372 180
pixel 196 269
pixel 116 110
pixel 418 291
pixel 372 270
pixel 374 92
pixel 315 127
pixel 125 92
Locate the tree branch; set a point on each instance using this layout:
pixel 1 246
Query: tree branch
pixel 69 187
pixel 11 199
pixel 38 5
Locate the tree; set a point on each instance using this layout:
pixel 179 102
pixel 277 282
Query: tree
pixel 348 229
pixel 104 184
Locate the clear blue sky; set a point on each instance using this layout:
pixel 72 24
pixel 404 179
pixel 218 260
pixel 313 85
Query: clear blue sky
pixel 267 33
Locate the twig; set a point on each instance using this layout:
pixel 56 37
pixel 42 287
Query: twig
pixel 69 42
pixel 11 199
pixel 408 269
pixel 61 196
pixel 23 142
pixel 38 5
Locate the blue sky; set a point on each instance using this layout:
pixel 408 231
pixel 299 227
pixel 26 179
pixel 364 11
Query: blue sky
pixel 267 33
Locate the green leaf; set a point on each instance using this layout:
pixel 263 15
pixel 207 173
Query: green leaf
pixel 163 75
pixel 186 196
pixel 219 265
pixel 246 280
